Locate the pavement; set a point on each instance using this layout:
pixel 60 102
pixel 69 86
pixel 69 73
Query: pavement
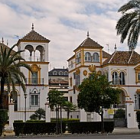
pixel 117 130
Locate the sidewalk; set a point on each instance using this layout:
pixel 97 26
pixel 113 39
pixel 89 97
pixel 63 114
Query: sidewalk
pixel 124 130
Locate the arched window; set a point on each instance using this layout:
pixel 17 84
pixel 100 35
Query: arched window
pixel 54 72
pixel 87 57
pixel 65 73
pixel 115 78
pixel 95 57
pixel 122 78
pixel 60 73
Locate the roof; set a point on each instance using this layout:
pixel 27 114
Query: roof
pixel 105 54
pixel 123 57
pixel 8 48
pixel 33 36
pixel 89 43
pixel 64 72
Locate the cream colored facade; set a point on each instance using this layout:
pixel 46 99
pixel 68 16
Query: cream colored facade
pixel 122 68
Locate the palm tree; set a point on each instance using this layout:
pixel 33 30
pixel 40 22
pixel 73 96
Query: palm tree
pixel 129 24
pixel 68 106
pixel 10 73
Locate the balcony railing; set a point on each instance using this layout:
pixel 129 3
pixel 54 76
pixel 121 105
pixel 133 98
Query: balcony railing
pixel 35 81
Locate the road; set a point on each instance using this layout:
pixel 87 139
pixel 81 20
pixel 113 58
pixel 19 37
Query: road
pixel 77 136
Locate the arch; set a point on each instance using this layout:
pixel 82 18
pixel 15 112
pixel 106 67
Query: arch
pixel 124 91
pixel 29 52
pixel 88 57
pixel 54 72
pixel 60 72
pixel 65 73
pixel 95 57
pixel 39 53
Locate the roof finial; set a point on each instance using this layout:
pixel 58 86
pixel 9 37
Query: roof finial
pixel 7 42
pixel 32 26
pixel 87 34
pixel 115 47
pixel 2 40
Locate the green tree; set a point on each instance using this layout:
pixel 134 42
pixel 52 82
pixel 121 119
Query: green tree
pixel 39 114
pixel 68 106
pixel 129 23
pixel 56 100
pixel 120 113
pixel 97 93
pixel 10 73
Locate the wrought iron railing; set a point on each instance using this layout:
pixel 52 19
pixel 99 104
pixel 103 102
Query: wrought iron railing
pixel 35 81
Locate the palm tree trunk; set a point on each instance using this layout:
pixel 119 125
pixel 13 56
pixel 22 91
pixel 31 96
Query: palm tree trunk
pixel 1 94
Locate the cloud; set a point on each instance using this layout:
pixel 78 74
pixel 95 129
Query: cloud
pixel 64 22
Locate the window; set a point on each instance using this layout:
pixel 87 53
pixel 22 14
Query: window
pixel 138 76
pixel 34 98
pixel 122 78
pixel 71 64
pixel 54 72
pixel 78 58
pixel 65 73
pixel 77 79
pixel 60 73
pixel 95 57
pixel 115 78
pixel 87 57
pixel 34 78
pixel 74 75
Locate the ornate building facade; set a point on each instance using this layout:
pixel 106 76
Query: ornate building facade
pixel 121 67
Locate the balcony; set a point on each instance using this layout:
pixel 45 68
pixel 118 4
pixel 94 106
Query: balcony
pixel 35 81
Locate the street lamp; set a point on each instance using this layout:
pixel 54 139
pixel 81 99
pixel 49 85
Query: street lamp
pixel 25 96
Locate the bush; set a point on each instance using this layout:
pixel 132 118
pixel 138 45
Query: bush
pixel 3 119
pixel 65 120
pixel 90 127
pixel 120 113
pixel 138 116
pixel 36 127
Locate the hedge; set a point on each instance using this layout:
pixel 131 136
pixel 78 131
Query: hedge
pixel 90 127
pixel 36 127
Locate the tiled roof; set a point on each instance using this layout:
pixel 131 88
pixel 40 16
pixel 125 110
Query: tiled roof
pixel 34 36
pixel 5 46
pixel 89 43
pixel 105 54
pixel 123 57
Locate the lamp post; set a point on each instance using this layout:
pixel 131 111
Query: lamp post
pixel 25 96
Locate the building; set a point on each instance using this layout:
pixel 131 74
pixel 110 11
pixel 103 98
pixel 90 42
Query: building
pixel 35 53
pixel 58 79
pixel 121 67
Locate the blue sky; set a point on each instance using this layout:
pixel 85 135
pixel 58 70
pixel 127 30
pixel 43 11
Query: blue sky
pixel 63 22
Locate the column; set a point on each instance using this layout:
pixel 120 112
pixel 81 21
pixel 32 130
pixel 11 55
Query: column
pixel 48 112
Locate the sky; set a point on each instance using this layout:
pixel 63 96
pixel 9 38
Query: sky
pixel 64 22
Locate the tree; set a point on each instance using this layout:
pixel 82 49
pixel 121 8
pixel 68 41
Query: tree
pixel 39 114
pixel 97 93
pixel 68 106
pixel 129 23
pixel 56 100
pixel 10 73
pixel 120 113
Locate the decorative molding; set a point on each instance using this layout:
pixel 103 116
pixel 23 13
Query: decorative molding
pixel 92 68
pixel 85 72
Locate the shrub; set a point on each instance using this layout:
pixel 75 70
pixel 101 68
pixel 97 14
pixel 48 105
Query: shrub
pixel 39 114
pixel 3 119
pixel 90 127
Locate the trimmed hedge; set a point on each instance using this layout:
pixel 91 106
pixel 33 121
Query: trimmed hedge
pixel 65 120
pixel 90 127
pixel 36 127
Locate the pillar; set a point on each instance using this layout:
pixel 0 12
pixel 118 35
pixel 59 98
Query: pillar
pixel 47 112
pixel 83 115
pixel 11 114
